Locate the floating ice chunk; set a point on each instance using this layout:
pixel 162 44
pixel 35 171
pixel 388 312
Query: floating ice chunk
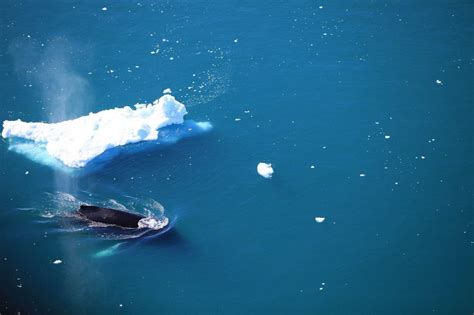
pixel 237 119
pixel 27 172
pixel 387 137
pixel 78 141
pixel 312 166
pixel 362 175
pixel 167 91
pixel 265 170
pixel 57 261
pixel 319 219
pixel 104 9
pixel 439 82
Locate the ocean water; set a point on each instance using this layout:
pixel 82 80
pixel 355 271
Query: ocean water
pixel 376 95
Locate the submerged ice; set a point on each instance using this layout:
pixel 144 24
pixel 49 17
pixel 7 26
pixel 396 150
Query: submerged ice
pixel 78 141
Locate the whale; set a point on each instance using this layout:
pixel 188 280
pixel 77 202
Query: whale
pixel 110 216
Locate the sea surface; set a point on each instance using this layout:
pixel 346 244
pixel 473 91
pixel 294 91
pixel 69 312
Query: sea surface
pixel 363 108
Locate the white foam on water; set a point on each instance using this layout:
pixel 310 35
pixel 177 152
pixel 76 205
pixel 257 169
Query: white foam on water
pixel 153 223
pixel 76 142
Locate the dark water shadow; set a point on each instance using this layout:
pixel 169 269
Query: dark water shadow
pixel 167 136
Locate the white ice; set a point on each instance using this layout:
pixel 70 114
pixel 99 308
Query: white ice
pixel 319 219
pixel 265 170
pixel 78 141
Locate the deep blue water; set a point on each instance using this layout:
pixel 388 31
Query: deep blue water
pixel 314 83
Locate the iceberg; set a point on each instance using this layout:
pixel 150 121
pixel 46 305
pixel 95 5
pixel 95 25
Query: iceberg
pixel 76 142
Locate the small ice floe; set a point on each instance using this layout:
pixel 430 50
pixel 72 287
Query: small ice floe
pixel 312 166
pixel 237 119
pixel 387 136
pixel 57 262
pixel 167 91
pixel 362 175
pixel 423 157
pixel 236 40
pixel 439 82
pixel 27 172
pixel 104 9
pixel 319 219
pixel 265 170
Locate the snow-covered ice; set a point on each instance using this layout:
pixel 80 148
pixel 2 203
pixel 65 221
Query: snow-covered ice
pixel 265 170
pixel 57 261
pixel 319 219
pixel 78 141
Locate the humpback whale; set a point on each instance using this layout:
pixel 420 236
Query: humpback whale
pixel 110 216
pixel 120 218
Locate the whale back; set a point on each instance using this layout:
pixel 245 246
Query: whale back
pixel 110 216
